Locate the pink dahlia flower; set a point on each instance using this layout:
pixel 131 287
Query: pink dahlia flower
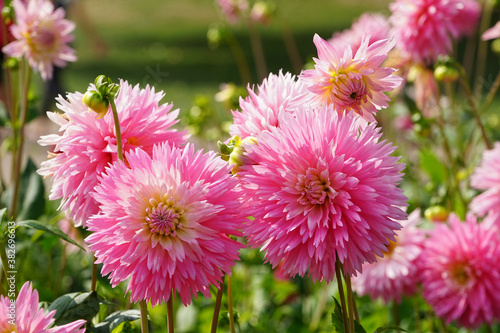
pixel 492 33
pixel 23 315
pixel 323 186
pixel 259 111
pixel 233 10
pixel 42 35
pixel 375 25
pixel 428 28
pixel 166 222
pixel 351 82
pixel 87 145
pixel 396 273
pixel 460 270
pixel 487 177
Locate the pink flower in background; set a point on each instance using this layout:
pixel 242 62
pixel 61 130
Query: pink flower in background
pixel 460 269
pixel 375 25
pixel 487 177
pixel 323 186
pixel 165 223
pixel 396 273
pixel 351 82
pixel 42 35
pixel 233 10
pixel 29 318
pixel 428 28
pixel 492 33
pixel 259 111
pixel 87 145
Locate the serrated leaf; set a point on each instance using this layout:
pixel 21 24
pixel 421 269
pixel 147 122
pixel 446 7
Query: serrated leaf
pixel 358 328
pixel 389 328
pixel 337 318
pixel 74 306
pixel 48 228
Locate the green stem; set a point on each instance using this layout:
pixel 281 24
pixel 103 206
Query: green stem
pixel 488 328
pixel 241 60
pixel 143 305
pixel 117 129
pixel 18 156
pixel 475 111
pixel 218 301
pixel 320 308
pixel 230 303
pixel 291 48
pixel 258 52
pixel 482 48
pixel 350 300
pixel 491 94
pixel 93 283
pixel 341 295
pixel 395 313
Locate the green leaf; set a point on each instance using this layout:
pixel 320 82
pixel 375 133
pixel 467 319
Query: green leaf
pixel 48 228
pixel 117 321
pixel 433 166
pixel 32 194
pixel 125 327
pixel 74 306
pixel 337 318
pixel 358 328
pixel 389 328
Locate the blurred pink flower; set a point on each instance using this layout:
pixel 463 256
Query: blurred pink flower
pixel 324 186
pixel 87 145
pixel 428 28
pixel 28 317
pixel 233 10
pixel 259 111
pixel 396 273
pixel 351 82
pixel 42 35
pixel 487 177
pixel 166 222
pixel 375 25
pixel 492 33
pixel 460 269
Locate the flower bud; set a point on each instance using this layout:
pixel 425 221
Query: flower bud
pixel 237 155
pixel 436 213
pixel 446 73
pixel 95 102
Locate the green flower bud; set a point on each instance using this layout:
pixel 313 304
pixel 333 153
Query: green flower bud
pixel 96 102
pixel 436 213
pixel 446 73
pixel 236 156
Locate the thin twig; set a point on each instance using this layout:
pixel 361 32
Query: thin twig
pixel 218 300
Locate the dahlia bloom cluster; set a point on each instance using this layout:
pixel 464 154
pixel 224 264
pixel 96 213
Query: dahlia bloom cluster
pixel 426 29
pixel 165 222
pixel 351 81
pixel 487 177
pixel 396 273
pixel 87 145
pixel 29 317
pixel 42 35
pixel 376 26
pixel 460 269
pixel 321 186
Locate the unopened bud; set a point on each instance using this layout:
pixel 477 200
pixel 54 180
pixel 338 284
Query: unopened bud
pixel 446 73
pixel 436 214
pixel 236 156
pixel 95 102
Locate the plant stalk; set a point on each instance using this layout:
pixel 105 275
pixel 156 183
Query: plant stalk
pixel 218 301
pixel 143 305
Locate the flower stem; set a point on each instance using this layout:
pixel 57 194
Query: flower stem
pixel 350 300
pixel 218 301
pixel 93 283
pixel 230 303
pixel 144 316
pixel 117 129
pixel 338 274
pixel 258 52
pixel 25 75
pixel 395 313
pixel 475 111
pixel 239 56
pixel 491 94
